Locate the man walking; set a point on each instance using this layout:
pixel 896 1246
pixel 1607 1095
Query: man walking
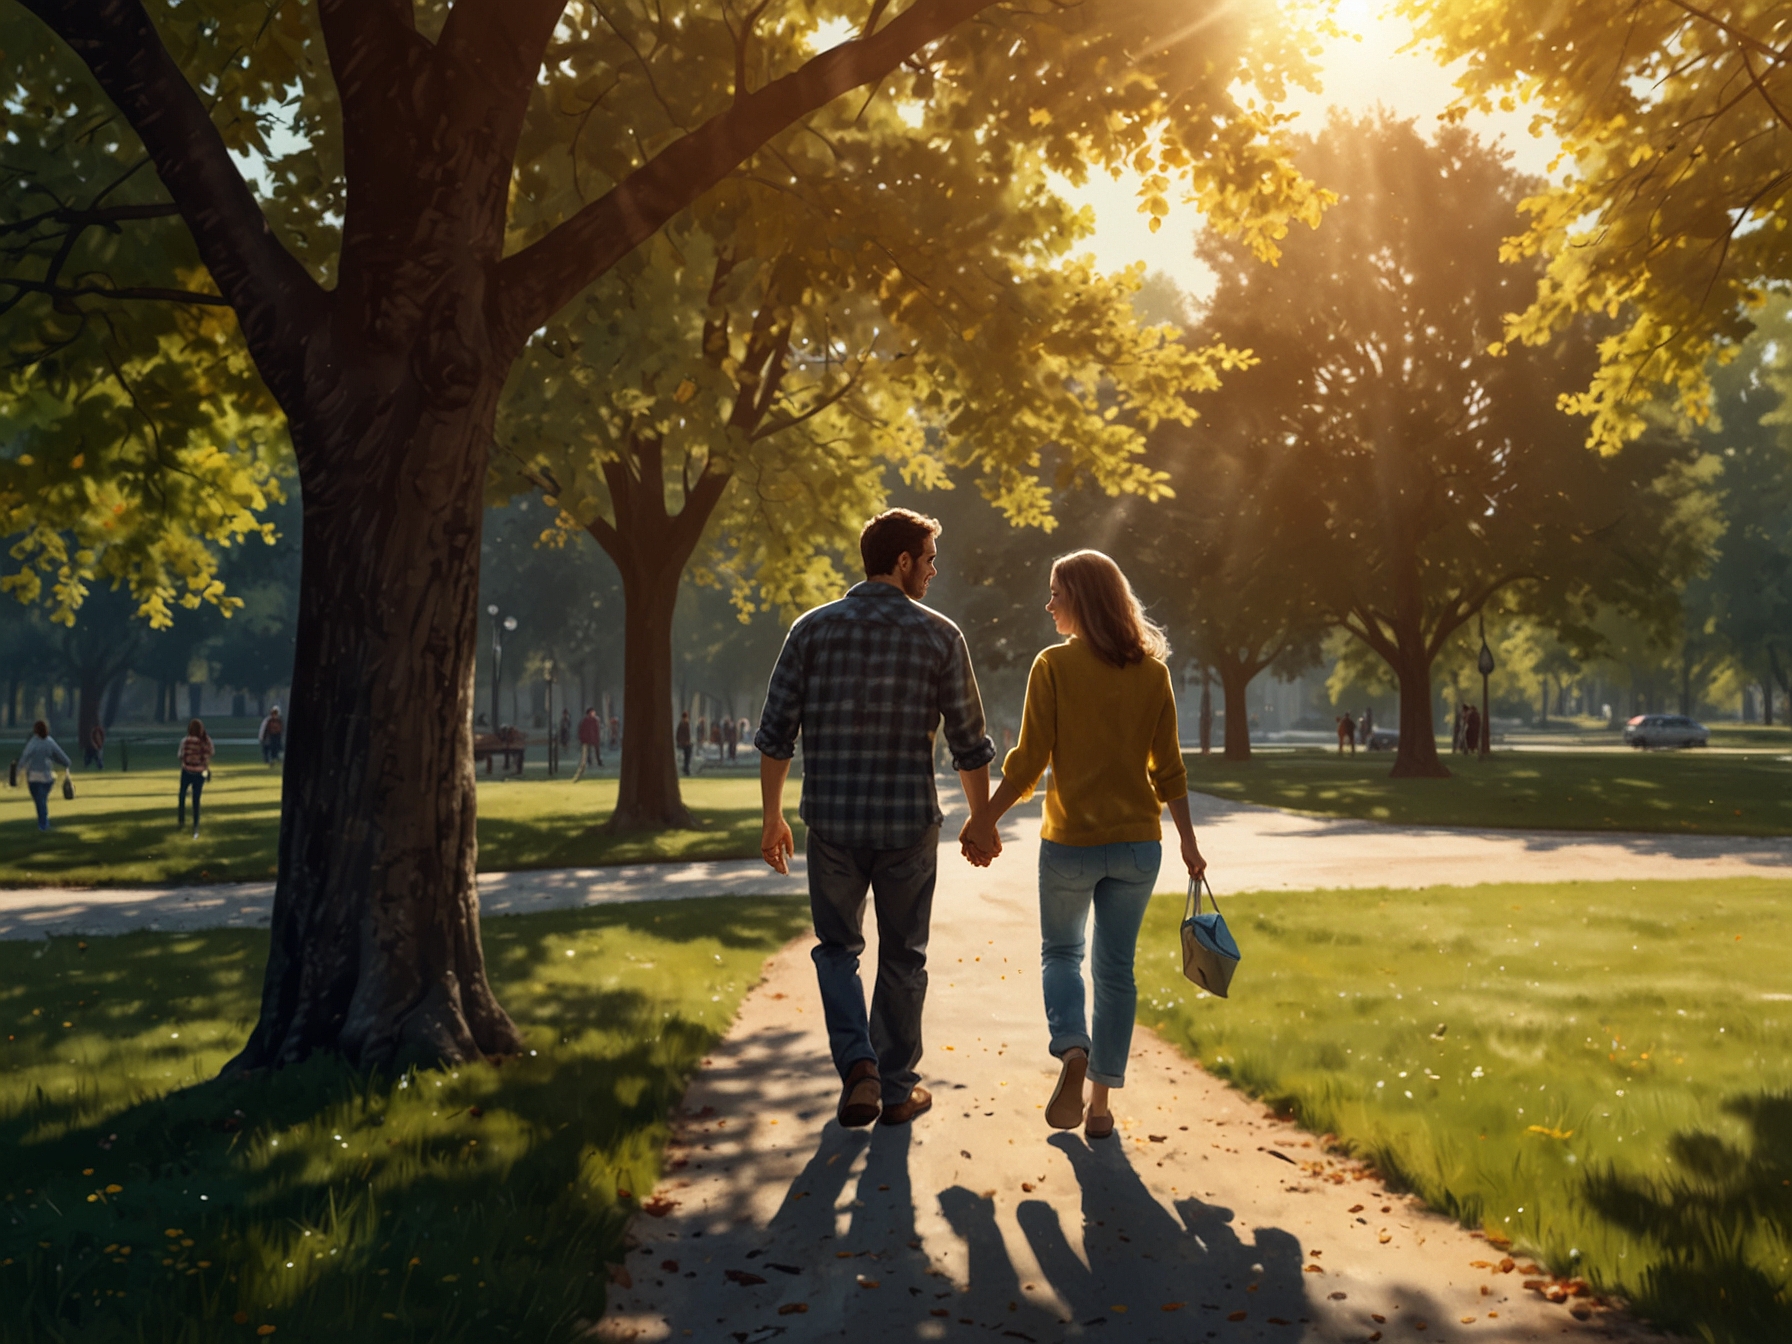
pixel 865 681
pixel 591 744
pixel 682 739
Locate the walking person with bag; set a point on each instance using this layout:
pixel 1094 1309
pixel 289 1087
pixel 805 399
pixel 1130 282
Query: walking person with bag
pixel 1101 713
pixel 591 744
pixel 865 681
pixel 38 762
pixel 196 751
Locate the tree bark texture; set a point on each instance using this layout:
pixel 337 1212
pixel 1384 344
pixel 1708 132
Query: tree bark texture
pixel 651 547
pixel 1417 756
pixel 375 949
pixel 1235 686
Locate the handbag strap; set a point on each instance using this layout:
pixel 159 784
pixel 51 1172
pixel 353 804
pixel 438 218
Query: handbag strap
pixel 1192 906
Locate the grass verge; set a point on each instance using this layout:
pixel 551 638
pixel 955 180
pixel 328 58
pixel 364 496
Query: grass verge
pixel 1601 1072
pixel 120 830
pixel 146 1203
pixel 1683 792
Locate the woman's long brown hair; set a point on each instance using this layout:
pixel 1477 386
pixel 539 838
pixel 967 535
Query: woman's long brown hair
pixel 1105 609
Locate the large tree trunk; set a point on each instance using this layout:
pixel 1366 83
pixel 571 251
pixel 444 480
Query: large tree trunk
pixel 651 548
pixel 648 796
pixel 1417 756
pixel 1235 686
pixel 375 949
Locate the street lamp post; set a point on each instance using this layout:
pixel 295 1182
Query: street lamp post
pixel 553 735
pixel 498 631
pixel 1485 664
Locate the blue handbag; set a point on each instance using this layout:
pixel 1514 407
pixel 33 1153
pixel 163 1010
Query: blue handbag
pixel 1209 953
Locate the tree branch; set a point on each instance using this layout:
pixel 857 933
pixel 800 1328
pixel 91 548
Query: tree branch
pixel 536 282
pixel 110 292
pixel 276 301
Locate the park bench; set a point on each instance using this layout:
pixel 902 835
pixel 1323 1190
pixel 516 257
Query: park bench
pixel 506 742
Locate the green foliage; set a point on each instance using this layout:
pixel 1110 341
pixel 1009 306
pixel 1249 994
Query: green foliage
pixel 138 439
pixel 1678 792
pixel 1672 211
pixel 119 829
pixel 442 1204
pixel 1431 474
pixel 1596 1071
pixel 896 265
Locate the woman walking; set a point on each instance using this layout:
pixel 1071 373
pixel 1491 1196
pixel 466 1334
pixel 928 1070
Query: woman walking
pixel 1100 712
pixel 195 759
pixel 39 760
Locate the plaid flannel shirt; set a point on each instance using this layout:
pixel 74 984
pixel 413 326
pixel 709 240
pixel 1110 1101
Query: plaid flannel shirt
pixel 865 681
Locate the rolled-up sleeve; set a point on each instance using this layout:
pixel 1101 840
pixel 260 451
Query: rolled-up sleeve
pixel 1038 732
pixel 961 707
pixel 782 718
pixel 1169 773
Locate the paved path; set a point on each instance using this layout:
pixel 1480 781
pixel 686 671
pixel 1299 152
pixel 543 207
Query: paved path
pixel 1202 1218
pixel 1251 849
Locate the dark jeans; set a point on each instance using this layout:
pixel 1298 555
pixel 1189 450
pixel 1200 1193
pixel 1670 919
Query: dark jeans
pixel 685 751
pixel 40 794
pixel 194 780
pixel 901 883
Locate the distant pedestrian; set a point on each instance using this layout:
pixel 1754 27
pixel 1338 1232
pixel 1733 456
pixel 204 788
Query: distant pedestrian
pixel 39 760
pixel 196 751
pixel 591 744
pixel 272 737
pixel 1471 731
pixel 1346 734
pixel 715 736
pixel 95 753
pixel 730 737
pixel 683 738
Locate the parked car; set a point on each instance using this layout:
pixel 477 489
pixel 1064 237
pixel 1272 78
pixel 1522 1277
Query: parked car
pixel 1383 739
pixel 1666 730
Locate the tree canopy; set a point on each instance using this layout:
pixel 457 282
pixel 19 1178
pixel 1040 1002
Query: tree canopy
pixel 1672 209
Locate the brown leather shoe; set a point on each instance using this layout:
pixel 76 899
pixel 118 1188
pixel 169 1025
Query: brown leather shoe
pixel 1099 1126
pixel 859 1096
pixel 919 1102
pixel 1065 1109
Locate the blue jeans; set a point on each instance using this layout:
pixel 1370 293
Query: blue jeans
pixel 901 882
pixel 1116 879
pixel 194 780
pixel 40 794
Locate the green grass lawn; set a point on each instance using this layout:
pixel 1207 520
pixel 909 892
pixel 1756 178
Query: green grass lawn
pixel 120 829
pixel 1686 792
pixel 144 1203
pixel 1601 1072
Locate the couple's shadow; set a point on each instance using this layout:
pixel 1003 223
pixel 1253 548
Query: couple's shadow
pixel 1134 1269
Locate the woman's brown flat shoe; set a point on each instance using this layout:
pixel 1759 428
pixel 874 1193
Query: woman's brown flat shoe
pixel 1065 1109
pixel 1099 1127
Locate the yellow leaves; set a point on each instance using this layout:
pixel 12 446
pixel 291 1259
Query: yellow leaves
pixel 685 391
pixel 1549 1133
pixel 1039 116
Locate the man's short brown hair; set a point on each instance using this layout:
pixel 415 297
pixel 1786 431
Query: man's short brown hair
pixel 892 535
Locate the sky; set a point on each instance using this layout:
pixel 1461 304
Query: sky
pixel 1357 76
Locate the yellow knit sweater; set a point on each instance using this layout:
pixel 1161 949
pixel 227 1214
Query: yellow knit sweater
pixel 1109 735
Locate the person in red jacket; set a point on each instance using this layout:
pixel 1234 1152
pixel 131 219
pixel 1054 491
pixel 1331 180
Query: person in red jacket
pixel 591 743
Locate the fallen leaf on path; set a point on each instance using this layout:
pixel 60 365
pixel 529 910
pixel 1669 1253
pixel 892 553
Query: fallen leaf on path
pixel 742 1277
pixel 783 1269
pixel 620 1276
pixel 659 1206
pixel 792 1308
pixel 1237 1315
pixel 1311 1269
pixel 1507 1265
pixel 1354 1208
pixel 868 1283
pixel 1337 1297
pixel 1284 1156
pixel 1158 1138
pixel 1384 1236
pixel 1173 1306
pixel 670 1266
pixel 1467 1320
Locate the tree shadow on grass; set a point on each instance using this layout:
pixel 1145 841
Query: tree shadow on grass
pixel 1721 1226
pixel 477 1202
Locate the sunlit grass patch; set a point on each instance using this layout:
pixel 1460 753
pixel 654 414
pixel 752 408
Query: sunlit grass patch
pixel 120 829
pixel 1601 1072
pixel 145 1203
pixel 1684 792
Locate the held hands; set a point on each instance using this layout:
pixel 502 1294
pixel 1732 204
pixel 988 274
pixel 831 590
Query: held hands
pixel 776 844
pixel 1191 858
pixel 979 842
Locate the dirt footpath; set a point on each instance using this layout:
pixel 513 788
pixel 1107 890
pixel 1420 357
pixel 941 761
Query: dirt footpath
pixel 1202 1218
